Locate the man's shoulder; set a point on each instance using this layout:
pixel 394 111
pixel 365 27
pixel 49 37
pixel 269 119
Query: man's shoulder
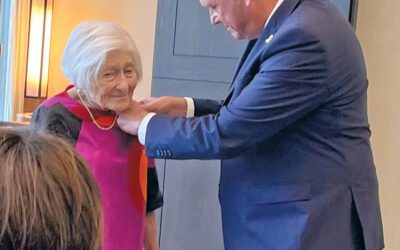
pixel 316 17
pixel 317 22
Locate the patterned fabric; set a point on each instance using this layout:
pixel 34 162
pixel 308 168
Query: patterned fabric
pixel 118 163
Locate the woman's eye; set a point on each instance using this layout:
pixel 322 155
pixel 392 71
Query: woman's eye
pixel 129 72
pixel 109 74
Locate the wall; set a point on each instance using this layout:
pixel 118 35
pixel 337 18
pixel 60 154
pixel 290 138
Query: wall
pixel 378 29
pixel 137 17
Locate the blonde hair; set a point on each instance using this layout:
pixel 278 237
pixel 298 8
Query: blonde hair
pixel 48 197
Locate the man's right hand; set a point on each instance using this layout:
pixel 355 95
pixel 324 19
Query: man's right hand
pixel 165 105
pixel 129 120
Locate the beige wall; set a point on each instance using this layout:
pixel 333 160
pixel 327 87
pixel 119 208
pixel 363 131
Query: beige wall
pixel 137 17
pixel 378 29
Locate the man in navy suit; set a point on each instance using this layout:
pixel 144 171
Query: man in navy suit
pixel 293 135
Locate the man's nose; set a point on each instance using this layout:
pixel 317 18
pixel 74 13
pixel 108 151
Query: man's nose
pixel 214 17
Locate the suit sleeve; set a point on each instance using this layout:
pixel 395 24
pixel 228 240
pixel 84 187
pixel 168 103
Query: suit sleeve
pixel 206 106
pixel 290 83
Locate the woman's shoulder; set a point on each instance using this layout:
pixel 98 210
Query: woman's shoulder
pixel 55 115
pixel 61 98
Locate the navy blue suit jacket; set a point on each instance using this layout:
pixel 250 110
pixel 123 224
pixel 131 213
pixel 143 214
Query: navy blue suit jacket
pixel 293 135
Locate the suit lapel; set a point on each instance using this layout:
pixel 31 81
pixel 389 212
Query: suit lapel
pixel 279 17
pixel 249 46
pixel 254 47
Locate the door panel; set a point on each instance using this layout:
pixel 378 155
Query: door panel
pixel 198 39
pixel 160 163
pixel 191 214
pixel 186 43
pixel 179 87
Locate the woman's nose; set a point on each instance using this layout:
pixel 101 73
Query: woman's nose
pixel 123 83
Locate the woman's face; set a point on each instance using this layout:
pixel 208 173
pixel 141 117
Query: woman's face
pixel 117 80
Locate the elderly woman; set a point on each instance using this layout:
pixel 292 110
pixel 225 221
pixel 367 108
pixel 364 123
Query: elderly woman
pixel 48 197
pixel 103 64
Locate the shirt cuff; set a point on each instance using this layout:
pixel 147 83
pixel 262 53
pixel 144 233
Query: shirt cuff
pixel 143 128
pixel 190 107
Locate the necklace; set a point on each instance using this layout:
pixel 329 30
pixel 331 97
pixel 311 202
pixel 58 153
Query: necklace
pixel 78 91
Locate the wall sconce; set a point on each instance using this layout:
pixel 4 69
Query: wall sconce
pixel 37 71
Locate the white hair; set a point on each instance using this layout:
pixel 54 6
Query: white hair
pixel 87 49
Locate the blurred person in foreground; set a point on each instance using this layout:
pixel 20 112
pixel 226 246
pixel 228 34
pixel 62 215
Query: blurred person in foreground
pixel 48 196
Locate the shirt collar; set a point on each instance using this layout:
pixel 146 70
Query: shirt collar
pixel 279 3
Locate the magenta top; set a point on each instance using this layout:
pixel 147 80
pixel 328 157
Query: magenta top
pixel 118 163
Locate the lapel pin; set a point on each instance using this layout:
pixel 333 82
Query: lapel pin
pixel 269 39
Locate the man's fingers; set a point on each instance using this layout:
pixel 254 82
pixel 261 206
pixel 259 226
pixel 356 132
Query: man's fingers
pixel 147 100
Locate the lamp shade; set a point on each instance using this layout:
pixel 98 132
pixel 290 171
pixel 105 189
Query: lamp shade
pixel 38 48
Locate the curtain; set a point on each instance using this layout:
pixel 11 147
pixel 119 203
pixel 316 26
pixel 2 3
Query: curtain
pixel 6 88
pixel 14 31
pixel 7 79
pixel 20 33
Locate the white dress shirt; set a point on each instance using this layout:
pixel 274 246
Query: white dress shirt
pixel 189 101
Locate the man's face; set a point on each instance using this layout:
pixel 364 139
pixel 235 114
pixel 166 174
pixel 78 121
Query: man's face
pixel 230 13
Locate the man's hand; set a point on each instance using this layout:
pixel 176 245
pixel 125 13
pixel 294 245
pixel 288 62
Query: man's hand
pixel 165 105
pixel 129 120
